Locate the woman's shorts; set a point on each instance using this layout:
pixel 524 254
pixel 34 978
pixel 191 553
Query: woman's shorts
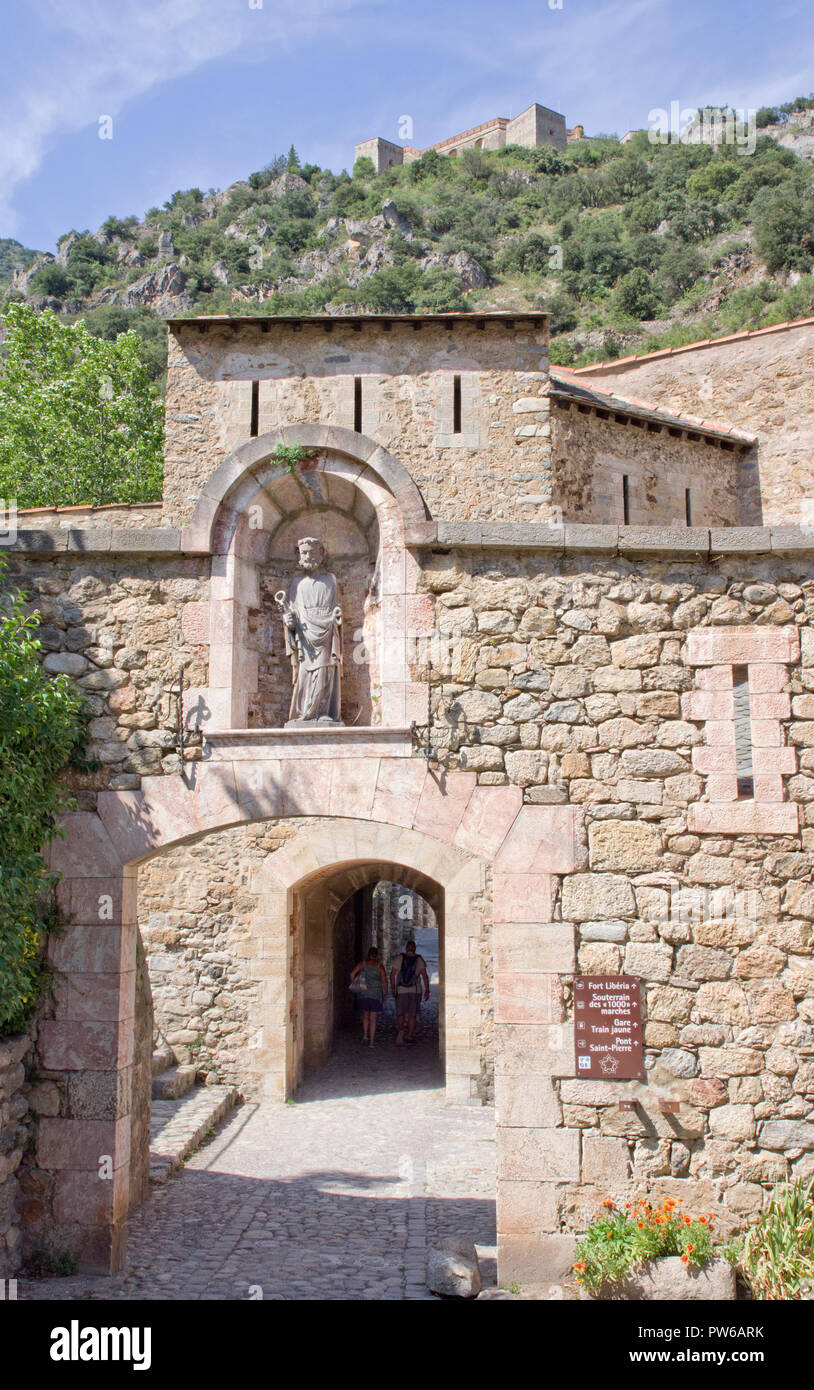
pixel 370 1006
pixel 406 1004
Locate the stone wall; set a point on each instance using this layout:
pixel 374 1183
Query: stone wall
pixel 590 457
pixel 117 629
pixel 307 374
pixel 577 687
pixel 14 1129
pixel 762 382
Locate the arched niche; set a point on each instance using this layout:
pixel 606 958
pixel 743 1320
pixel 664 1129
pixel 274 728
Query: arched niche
pixel 347 504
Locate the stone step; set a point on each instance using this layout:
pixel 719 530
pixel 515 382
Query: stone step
pixel 173 1083
pixel 180 1125
pixel 163 1057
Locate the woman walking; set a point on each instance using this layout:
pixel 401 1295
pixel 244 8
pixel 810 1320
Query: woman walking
pixel 374 993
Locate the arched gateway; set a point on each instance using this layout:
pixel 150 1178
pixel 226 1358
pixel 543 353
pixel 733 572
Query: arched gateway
pixel 377 817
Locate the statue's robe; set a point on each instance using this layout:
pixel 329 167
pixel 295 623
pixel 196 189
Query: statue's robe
pixel 317 645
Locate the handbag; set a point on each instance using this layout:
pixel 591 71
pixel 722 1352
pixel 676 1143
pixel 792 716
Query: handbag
pixel 359 985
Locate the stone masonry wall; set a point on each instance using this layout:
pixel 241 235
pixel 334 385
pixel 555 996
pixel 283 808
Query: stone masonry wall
pixel 591 456
pixel 574 686
pixel 407 404
pixel 117 629
pixel 14 1118
pixel 762 382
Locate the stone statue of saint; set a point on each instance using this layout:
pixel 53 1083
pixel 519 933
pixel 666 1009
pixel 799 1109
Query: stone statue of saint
pixel 312 620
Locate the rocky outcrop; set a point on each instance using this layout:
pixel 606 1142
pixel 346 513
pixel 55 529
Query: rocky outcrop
pixel 162 290
pixel 471 273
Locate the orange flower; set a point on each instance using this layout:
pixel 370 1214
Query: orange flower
pixel 607 1203
pixel 690 1246
pixel 686 1219
pixel 703 1220
pixel 580 1265
pixel 640 1225
pixel 685 1259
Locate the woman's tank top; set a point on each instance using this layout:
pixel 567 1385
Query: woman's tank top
pixel 373 981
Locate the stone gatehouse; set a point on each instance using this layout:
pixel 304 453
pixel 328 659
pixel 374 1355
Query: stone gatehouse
pixel 578 709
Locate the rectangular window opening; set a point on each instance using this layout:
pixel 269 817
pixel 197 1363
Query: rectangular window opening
pixel 456 405
pixel 687 506
pixel 357 404
pixel 255 421
pixel 626 499
pixel 743 733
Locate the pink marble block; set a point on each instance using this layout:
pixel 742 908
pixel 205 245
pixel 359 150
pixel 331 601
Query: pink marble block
pixel 353 786
pixel 73 1045
pixel 85 1197
pixel 95 998
pixel 766 733
pixel 740 646
pixel 722 786
pixel 768 786
pixel 259 787
pixel 720 733
pixel 765 679
pixel 398 791
pixel 774 760
pixel 714 678
pixel 488 818
pixel 744 818
pixel 527 998
pixel 772 705
pixel 80 1144
pixel 306 787
pixel 707 760
pixel 707 704
pixel 105 948
pixel 543 839
pixel 87 849
pixel 92 900
pixel 195 623
pixel 522 897
pixel 420 615
pixel 444 799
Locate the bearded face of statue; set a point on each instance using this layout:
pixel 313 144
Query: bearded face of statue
pixel 311 553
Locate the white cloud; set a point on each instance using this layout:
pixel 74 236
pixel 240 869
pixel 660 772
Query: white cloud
pixel 96 56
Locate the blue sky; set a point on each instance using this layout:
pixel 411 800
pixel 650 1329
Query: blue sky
pixel 201 92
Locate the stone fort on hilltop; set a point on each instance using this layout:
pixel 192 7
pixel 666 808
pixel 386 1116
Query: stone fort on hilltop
pixel 537 125
pixel 577 726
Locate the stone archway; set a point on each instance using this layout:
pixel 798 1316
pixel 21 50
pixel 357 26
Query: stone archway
pixel 375 809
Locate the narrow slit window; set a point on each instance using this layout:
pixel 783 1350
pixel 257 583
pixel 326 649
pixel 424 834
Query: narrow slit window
pixel 357 404
pixel 456 405
pixel 626 499
pixel 687 506
pixel 255 421
pixel 743 733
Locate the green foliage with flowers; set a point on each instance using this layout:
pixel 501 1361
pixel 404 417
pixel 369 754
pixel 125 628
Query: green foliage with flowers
pixel 620 1241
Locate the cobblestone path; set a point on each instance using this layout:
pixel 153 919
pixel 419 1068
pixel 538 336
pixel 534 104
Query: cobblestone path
pixel 335 1196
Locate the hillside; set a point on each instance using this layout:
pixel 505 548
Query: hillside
pixel 629 246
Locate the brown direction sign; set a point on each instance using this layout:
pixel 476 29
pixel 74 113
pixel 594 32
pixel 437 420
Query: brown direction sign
pixel 608 1027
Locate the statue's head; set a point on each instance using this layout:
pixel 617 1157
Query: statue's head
pixel 311 552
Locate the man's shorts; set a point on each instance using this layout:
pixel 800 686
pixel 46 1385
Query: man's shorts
pixel 406 1004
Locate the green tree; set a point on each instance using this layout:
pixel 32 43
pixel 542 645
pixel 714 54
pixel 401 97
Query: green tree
pixel 80 420
pixel 364 168
pixel 40 727
pixel 784 229
pixel 635 296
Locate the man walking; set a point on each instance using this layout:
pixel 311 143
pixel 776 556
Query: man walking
pixel 406 976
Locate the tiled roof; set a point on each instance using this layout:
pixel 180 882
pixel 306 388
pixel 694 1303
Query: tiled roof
pixel 564 387
pixel 633 359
